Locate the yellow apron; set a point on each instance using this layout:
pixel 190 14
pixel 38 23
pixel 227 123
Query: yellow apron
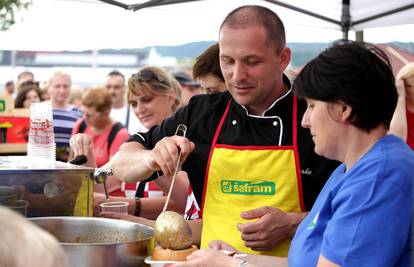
pixel 240 178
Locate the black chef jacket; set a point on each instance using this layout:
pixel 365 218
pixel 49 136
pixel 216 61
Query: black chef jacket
pixel 202 116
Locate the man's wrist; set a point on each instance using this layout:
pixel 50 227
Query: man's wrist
pixel 295 219
pixel 150 162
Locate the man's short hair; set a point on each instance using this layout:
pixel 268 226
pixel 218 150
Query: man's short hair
pixel 355 74
pixel 208 63
pixel 59 73
pixel 252 15
pixel 24 73
pixel 116 73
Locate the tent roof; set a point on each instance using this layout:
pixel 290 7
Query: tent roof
pixel 55 25
pixel 353 14
pixel 398 57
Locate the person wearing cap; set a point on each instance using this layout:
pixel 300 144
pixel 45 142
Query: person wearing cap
pixel 250 163
pixel 189 87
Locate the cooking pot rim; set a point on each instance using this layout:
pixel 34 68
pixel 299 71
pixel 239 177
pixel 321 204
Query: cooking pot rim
pixel 104 244
pixel 79 218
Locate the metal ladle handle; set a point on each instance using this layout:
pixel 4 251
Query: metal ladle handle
pixel 182 131
pixel 100 176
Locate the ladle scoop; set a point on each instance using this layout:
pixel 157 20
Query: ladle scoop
pixel 170 229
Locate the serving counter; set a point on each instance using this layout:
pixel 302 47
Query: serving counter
pixel 57 189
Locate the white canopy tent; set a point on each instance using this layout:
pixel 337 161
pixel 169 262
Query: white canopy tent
pixel 348 15
pixel 56 25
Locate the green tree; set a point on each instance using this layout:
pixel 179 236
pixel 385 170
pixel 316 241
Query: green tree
pixel 8 9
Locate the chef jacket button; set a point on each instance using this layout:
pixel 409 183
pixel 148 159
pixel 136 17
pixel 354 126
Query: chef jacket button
pixel 275 123
pixel 234 122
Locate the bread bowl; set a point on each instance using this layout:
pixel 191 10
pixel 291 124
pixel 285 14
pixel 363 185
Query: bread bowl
pixel 166 254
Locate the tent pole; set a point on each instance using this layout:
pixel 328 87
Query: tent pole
pixel 13 62
pixel 359 36
pixel 115 3
pixel 384 14
pixel 95 64
pixel 152 3
pixel 345 18
pixel 304 11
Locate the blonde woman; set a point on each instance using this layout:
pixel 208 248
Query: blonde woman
pixel 154 95
pixel 402 123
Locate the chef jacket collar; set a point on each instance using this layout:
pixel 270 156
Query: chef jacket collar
pixel 288 84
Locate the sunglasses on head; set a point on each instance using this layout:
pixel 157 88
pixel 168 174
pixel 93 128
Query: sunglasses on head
pixel 148 76
pixel 30 83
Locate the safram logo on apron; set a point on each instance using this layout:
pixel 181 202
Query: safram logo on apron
pixel 247 188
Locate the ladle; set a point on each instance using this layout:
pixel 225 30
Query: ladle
pixel 181 129
pixel 100 175
pixel 170 229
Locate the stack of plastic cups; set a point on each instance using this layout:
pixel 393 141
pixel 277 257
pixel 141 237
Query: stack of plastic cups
pixel 41 148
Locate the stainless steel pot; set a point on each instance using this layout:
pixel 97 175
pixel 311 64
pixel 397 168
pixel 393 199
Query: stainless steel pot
pixel 99 242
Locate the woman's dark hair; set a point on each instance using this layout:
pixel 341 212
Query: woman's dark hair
pixel 356 74
pixel 208 63
pixel 24 89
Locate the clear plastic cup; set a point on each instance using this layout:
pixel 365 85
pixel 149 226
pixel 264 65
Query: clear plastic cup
pixel 41 143
pixel 19 206
pixel 116 207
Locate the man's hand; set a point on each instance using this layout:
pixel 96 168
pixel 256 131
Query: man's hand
pixel 164 155
pixel 272 227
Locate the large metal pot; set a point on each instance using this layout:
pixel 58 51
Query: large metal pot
pixel 99 242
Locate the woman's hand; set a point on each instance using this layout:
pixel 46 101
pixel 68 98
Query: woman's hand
pixel 82 144
pixel 208 257
pixel 221 245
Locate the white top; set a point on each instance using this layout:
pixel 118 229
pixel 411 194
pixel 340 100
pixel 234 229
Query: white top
pixel 120 114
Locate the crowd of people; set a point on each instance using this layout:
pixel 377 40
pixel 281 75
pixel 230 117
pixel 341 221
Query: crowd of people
pixel 311 172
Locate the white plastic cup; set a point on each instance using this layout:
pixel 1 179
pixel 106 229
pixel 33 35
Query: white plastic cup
pixel 41 145
pixel 115 207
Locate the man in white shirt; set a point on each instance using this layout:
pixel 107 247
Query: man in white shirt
pixel 121 111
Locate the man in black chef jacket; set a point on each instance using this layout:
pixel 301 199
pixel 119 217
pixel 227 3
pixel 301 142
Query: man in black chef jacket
pixel 250 163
